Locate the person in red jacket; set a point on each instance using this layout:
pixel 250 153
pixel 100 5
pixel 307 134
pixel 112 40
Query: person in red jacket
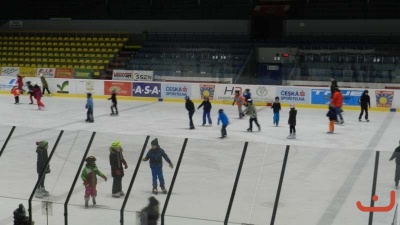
pixel 37 93
pixel 337 102
pixel 16 92
pixel 20 83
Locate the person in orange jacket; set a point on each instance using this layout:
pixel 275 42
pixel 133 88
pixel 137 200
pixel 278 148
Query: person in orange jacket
pixel 240 101
pixel 16 92
pixel 337 102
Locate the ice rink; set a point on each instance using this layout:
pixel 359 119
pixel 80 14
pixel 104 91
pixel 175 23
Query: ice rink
pixel 326 174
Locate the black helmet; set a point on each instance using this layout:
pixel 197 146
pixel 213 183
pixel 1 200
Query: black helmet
pixel 366 91
pixel 220 111
pixel 249 100
pixel 247 90
pixel 276 98
pixel 237 92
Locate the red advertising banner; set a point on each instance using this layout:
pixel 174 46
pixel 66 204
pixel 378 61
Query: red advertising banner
pixel 66 73
pixel 121 88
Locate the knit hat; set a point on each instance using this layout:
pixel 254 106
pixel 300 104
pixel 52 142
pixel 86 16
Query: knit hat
pixel 153 201
pixel 20 212
pixel 90 159
pixel 276 98
pixel 116 144
pixel 154 142
pixel 366 91
pixel 292 106
pixel 187 97
pixel 42 143
pixel 220 111
pixel 89 94
pixel 41 74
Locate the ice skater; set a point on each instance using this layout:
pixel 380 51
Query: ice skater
pixel 89 107
pixel 20 83
pixel 337 103
pixel 365 103
pixel 206 104
pixel 155 155
pixel 247 94
pixel 30 91
pixel 89 178
pixel 240 101
pixel 113 99
pixel 38 96
pixel 292 122
pixel 276 108
pixel 42 158
pixel 396 155
pixel 20 217
pixel 117 170
pixel 225 122
pixel 332 116
pixel 45 85
pixel 252 112
pixel 150 214
pixel 16 92
pixel 191 109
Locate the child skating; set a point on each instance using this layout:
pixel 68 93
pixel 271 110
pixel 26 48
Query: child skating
pixel 117 170
pixel 89 177
pixel 276 108
pixel 30 91
pixel 113 99
pixel 247 94
pixel 332 116
pixel 16 92
pixel 155 155
pixel 38 96
pixel 89 107
pixel 252 112
pixel 225 122
pixel 240 101
pixel 396 155
pixel 292 122
pixel 206 104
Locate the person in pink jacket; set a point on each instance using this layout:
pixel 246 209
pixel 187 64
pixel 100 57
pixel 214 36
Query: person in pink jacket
pixel 37 93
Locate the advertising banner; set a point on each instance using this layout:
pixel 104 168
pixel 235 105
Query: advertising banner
pixel 83 73
pixel 27 71
pixel 384 98
pixel 121 88
pixel 141 89
pixel 93 86
pixel 142 75
pixel 47 72
pixel 7 83
pixel 323 96
pixel 63 86
pixel 294 95
pixel 175 90
pixel 207 90
pixel 122 75
pixel 259 93
pixel 10 71
pixel 66 73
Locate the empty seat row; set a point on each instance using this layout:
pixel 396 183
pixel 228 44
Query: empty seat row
pixel 62 60
pixel 56 49
pixel 82 66
pixel 44 38
pixel 56 54
pixel 39 43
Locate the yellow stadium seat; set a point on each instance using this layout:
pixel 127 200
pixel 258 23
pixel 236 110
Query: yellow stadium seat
pixel 90 44
pixel 86 55
pixel 51 66
pixel 96 44
pixel 125 39
pixel 39 65
pixel 68 60
pixel 85 49
pixel 97 50
pixel 45 60
pixel 33 65
pixel 87 61
pixel 96 73
pixel 57 60
pixel 73 49
pixel 70 66
pixel 72 38
pixel 78 43
pixel 63 66
pixel 106 39
pixel 44 49
pixel 91 49
pixel 81 61
pixel 62 54
pixel 37 38
pixel 76 66
pixel 50 54
pixel 65 38
pixel 72 43
pixel 67 49
pixel 74 55
pixel 120 44
pixel 43 38
pixel 56 54
pixel 75 61
pixel 31 38
pixel 80 55
pixel 95 39
pixel 49 38
pixel 93 61
pixel 15 65
pixel 58 66
pixel 112 39
pixel 98 55
pixel 63 60
pixel 102 44
pixel 45 65
pixel 50 49
pixel 33 59
pixel 79 49
pixel 55 49
pixel 114 44
pixel 26 65
pixel 68 55
pixel 95 67
pixel 38 48
pixel 44 54
pixel 101 67
pixel 87 39
pixel 108 44
pixel 51 60
pixel 84 44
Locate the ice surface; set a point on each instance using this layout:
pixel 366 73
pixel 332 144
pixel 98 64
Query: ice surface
pixel 325 174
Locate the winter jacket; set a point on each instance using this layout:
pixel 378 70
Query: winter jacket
pixel 223 118
pixel 116 162
pixel 292 117
pixel 20 83
pixel 89 175
pixel 89 103
pixel 113 98
pixel 42 157
pixel 37 93
pixel 251 111
pixel 332 114
pixel 30 89
pixel 276 106
pixel 207 106
pixel 189 105
pixel 149 216
pixel 247 95
pixel 15 91
pixel 239 100
pixel 396 155
pixel 155 156
pixel 365 101
pixel 337 99
pixel 44 82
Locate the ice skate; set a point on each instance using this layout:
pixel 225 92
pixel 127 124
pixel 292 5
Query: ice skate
pixel 31 103
pixel 359 120
pixel 164 191
pixel 329 132
pixel 367 120
pixel 259 128
pixel 250 130
pixel 222 137
pixel 112 114
pixel 294 136
pixel 38 194
pixel 121 193
pixel 290 136
pixel 155 191
pixel 116 195
pixel 94 200
pixel 192 128
pixel 86 203
pixel 44 192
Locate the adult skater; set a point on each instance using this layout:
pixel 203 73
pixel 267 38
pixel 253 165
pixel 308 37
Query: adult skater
pixel 337 102
pixel 42 158
pixel 151 213
pixel 396 155
pixel 333 86
pixel 89 107
pixel 191 109
pixel 117 170
pixel 240 101
pixel 225 122
pixel 292 122
pixel 206 104
pixel 89 178
pixel 252 112
pixel 113 99
pixel 38 96
pixel 155 155
pixel 45 85
pixel 276 108
pixel 365 103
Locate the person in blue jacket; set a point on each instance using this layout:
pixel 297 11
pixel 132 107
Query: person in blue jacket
pixel 89 107
pixel 155 155
pixel 225 122
pixel 247 94
pixel 206 104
